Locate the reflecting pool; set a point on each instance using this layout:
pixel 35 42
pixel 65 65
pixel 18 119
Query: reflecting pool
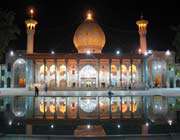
pixel 92 107
pixel 107 111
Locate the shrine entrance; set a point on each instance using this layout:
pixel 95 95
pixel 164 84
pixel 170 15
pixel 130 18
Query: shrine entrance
pixel 19 73
pixel 88 76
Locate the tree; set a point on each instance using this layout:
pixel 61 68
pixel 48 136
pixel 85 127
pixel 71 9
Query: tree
pixel 176 41
pixel 8 30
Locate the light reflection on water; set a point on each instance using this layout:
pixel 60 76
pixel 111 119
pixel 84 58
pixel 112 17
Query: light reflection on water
pixel 155 108
pixel 151 109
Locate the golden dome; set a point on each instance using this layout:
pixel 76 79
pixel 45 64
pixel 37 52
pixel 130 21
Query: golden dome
pixel 89 37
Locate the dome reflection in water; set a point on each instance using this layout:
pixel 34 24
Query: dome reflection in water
pixel 88 104
pixel 19 106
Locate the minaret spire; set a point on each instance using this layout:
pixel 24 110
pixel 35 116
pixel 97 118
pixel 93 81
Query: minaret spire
pixel 141 17
pixel 89 15
pixel 31 13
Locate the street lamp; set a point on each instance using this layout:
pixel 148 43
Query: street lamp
pixel 11 53
pixel 170 122
pixel 52 126
pixel 146 53
pixel 139 51
pixel 88 126
pixel 118 52
pixel 149 51
pixel 167 53
pixel 147 124
pixel 88 52
pixel 10 122
pixel 18 124
pixel 52 52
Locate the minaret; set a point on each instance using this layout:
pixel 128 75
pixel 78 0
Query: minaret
pixel 30 25
pixel 142 25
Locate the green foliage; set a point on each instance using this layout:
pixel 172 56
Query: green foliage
pixel 177 73
pixel 8 30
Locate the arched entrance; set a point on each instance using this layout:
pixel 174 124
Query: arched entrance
pixel 88 76
pixel 159 73
pixel 19 73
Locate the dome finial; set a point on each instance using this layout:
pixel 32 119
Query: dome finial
pixel 89 15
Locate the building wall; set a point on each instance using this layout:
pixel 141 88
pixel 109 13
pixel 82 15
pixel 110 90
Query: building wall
pixel 161 69
pixel 101 72
pixel 177 73
pixel 2 76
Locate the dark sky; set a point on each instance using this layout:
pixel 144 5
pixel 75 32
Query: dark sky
pixel 59 19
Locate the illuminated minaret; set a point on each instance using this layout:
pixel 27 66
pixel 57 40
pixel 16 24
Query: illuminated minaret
pixel 142 25
pixel 30 25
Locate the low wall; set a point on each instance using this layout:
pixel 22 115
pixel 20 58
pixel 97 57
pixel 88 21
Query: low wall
pixel 120 137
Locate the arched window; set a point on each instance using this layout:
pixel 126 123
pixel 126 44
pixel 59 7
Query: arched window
pixel 114 75
pixel 88 71
pixel 19 73
pixel 8 82
pixel 9 67
pixel 113 70
pixel 178 83
pixel 2 83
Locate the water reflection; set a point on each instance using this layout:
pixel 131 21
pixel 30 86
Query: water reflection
pixel 154 108
pixel 161 108
pixel 88 104
pixel 19 106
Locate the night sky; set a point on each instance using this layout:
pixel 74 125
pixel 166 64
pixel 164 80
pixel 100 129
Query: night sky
pixel 59 19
